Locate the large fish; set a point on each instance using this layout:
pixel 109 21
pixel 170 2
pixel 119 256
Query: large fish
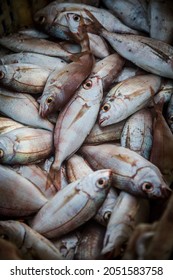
pixel 131 172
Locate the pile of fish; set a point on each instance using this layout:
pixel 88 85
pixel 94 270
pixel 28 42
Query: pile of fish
pixel 86 133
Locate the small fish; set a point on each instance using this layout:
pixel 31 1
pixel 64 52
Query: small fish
pixel 61 85
pixel 162 149
pixel 73 205
pixel 11 104
pixel 28 78
pixel 131 172
pixel 137 133
pixel 30 243
pixel 127 97
pixel 23 146
pixel 19 197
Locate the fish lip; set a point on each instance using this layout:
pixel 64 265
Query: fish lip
pixel 42 112
pixel 102 120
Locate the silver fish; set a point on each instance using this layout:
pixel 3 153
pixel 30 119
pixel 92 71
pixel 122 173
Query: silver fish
pixel 131 172
pixel 23 146
pixel 7 125
pixel 11 104
pixel 28 78
pixel 30 243
pixel 132 12
pixel 19 197
pixel 128 72
pixel 137 133
pixel 33 32
pixel 73 205
pixel 127 97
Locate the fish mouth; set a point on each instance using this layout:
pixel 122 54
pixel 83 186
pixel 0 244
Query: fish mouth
pixel 43 112
pixel 101 121
pixel 166 192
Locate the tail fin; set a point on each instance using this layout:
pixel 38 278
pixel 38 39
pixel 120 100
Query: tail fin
pixel 53 178
pixel 94 26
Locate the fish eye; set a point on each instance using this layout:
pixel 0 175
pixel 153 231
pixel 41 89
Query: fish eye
pixel 100 183
pixel 106 107
pixel 1 153
pixel 147 187
pixel 171 118
pixel 76 18
pixel 2 74
pixel 107 215
pixel 41 19
pixel 49 100
pixel 87 85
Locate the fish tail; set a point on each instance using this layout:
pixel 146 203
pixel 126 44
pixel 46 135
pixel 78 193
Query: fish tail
pixel 53 178
pixel 95 26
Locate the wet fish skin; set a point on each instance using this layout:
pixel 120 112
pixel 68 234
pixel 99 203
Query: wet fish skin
pixel 128 72
pixel 161 16
pixel 131 172
pixel 48 62
pixel 127 213
pixel 19 197
pixel 73 205
pixel 7 124
pixel 127 97
pixel 91 242
pixel 28 78
pixel 137 133
pixel 22 146
pixel 132 13
pixel 11 104
pixel 82 108
pixel 31 244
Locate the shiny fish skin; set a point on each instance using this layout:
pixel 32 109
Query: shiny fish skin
pixel 11 104
pixel 91 242
pixel 31 244
pixel 19 197
pixel 7 125
pixel 170 114
pixel 38 177
pixel 161 20
pixel 128 72
pixel 32 32
pixel 127 97
pixel 133 12
pixel 28 78
pixel 78 168
pixel 73 205
pixel 165 92
pixel 131 172
pixel 137 133
pixel 99 135
pixel 45 61
pixel 78 116
pixel 149 54
pixel 128 211
pixel 108 69
pixel 23 146
pixel 22 43
pixel 52 18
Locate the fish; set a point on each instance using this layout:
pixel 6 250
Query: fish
pixel 23 43
pixel 19 197
pixel 33 32
pixel 133 13
pixel 160 15
pixel 169 114
pixel 151 55
pixel 22 77
pixel 108 69
pixel 61 85
pixel 127 97
pixel 161 153
pixel 128 72
pixel 9 251
pixel 91 242
pixel 11 104
pixel 126 214
pixel 23 146
pixel 164 93
pixel 76 120
pixel 100 135
pixel 52 18
pixel 6 125
pixel 73 205
pixel 45 61
pixel 137 134
pixel 30 243
pixel 131 172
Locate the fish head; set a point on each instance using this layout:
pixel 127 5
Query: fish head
pixel 150 182
pixel 91 89
pixel 6 149
pixel 45 16
pixel 47 105
pixel 105 113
